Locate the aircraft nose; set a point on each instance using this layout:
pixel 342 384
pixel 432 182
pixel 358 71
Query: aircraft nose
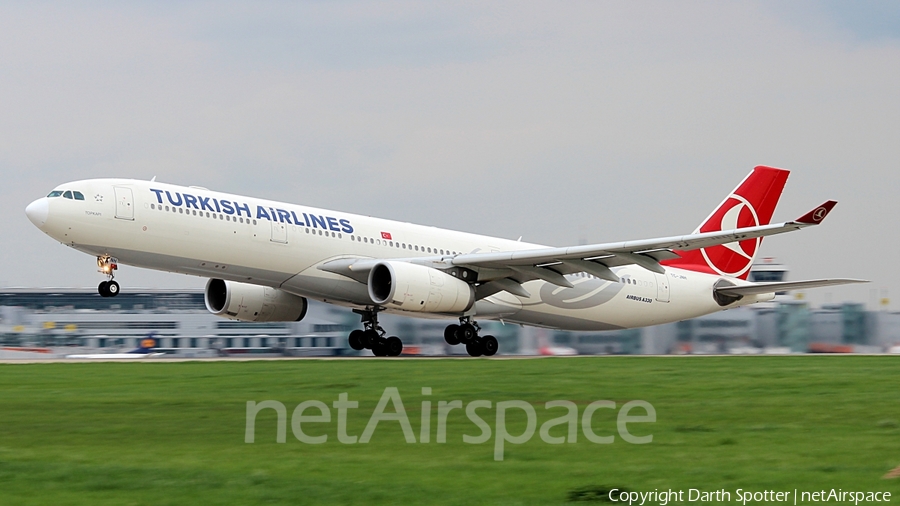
pixel 37 212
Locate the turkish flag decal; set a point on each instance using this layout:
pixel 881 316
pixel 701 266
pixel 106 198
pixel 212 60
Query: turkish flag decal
pixel 386 235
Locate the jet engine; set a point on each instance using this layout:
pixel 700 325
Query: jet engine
pixel 252 303
pixel 414 287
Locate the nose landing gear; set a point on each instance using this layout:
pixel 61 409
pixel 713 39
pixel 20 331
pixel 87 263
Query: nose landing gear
pixel 107 265
pixel 373 336
pixel 467 333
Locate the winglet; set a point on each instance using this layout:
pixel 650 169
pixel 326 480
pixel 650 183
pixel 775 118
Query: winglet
pixel 818 214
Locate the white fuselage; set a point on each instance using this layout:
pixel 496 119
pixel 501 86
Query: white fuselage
pixel 196 231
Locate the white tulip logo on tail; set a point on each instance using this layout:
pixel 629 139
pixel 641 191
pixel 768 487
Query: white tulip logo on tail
pixel 751 204
pixel 740 214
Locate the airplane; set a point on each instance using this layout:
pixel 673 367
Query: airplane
pixel 265 259
pixel 145 350
pixel 546 349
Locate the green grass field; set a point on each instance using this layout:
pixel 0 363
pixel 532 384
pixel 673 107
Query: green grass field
pixel 173 433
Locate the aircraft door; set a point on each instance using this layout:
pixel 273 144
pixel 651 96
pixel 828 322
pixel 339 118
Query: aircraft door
pixel 124 203
pixel 279 232
pixel 662 288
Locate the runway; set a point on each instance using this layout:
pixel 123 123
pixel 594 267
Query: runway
pixel 433 358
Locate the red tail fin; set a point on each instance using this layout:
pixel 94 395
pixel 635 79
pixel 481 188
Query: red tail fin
pixel 751 203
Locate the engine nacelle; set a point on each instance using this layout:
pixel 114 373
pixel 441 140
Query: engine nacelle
pixel 252 303
pixel 414 287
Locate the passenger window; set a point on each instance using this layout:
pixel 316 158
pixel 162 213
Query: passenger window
pixel 67 195
pixel 54 193
pixel 78 196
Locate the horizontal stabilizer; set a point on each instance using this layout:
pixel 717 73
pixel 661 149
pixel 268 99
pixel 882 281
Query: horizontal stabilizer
pixel 759 288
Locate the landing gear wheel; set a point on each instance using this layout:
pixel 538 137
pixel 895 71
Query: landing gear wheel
pixel 370 338
pixel 373 337
pixel 466 333
pixel 356 340
pixel 450 334
pixel 394 346
pixel 475 348
pixel 489 345
pixel 107 265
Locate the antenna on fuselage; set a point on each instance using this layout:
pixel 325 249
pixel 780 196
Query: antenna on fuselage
pixel 154 179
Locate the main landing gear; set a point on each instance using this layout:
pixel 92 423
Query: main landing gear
pixel 107 265
pixel 467 333
pixel 373 336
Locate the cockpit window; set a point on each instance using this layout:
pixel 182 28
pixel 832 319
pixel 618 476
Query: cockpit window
pixel 66 194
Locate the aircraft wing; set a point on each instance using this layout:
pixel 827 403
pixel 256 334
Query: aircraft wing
pixel 759 288
pixel 550 264
pixel 508 270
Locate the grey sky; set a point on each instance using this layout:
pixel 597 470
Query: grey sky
pixel 562 122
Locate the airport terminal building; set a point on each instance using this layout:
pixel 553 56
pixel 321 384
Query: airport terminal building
pixel 178 321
